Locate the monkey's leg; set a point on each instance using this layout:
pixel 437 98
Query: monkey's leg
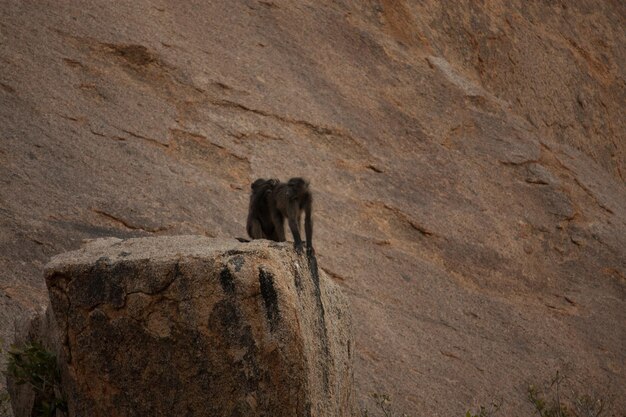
pixel 255 231
pixel 279 226
pixel 294 226
pixel 308 228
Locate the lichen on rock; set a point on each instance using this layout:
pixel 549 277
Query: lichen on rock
pixel 197 326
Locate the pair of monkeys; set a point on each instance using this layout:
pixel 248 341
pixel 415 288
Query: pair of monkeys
pixel 271 201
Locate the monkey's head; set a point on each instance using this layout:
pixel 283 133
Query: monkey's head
pixel 256 184
pixel 263 183
pixel 297 187
pixel 298 183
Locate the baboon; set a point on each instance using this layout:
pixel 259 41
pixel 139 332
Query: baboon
pixel 290 200
pixel 260 224
pixel 271 201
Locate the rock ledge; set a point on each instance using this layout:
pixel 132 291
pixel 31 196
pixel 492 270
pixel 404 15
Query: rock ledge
pixel 194 326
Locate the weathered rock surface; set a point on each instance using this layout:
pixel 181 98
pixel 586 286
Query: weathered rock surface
pixel 181 320
pixel 467 159
pixel 196 326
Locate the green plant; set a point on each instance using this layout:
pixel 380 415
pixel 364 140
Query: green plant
pixel 36 366
pixel 545 406
pixel 5 403
pixel 590 405
pixel 556 401
pixel 5 400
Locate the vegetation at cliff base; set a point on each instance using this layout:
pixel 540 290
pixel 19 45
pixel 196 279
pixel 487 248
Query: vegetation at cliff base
pixel 34 365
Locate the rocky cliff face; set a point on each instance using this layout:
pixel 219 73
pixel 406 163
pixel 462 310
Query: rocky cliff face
pixel 199 327
pixel 467 160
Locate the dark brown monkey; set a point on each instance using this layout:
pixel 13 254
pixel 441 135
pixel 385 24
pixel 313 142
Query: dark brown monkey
pixel 290 200
pixel 260 224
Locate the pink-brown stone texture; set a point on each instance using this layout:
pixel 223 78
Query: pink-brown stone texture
pixel 468 161
pixel 194 326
